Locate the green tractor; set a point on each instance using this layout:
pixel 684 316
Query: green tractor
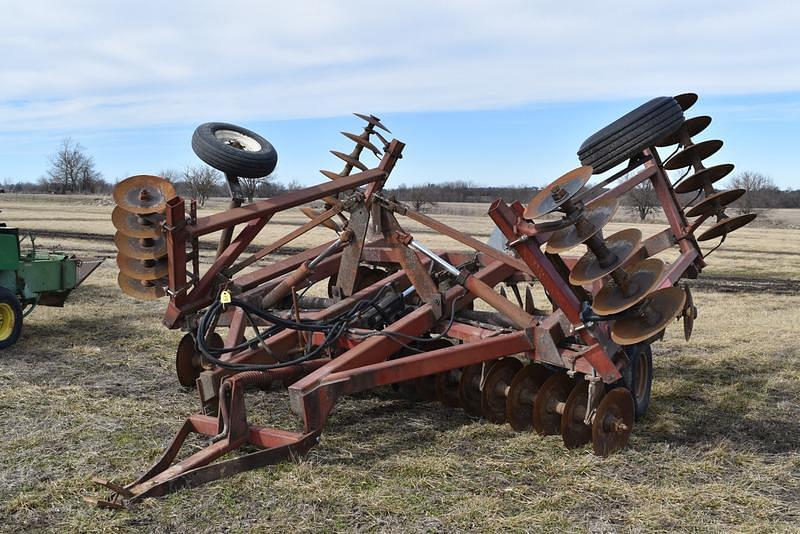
pixel 36 278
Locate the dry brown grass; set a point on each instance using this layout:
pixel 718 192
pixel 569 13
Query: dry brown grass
pixel 90 390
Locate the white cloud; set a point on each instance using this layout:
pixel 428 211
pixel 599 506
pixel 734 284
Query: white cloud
pixel 90 64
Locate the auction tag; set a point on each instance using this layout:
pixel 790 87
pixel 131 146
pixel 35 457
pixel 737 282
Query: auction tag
pixel 225 297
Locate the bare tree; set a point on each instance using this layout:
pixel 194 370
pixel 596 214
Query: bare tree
pixel 421 198
pixel 759 191
pixel 172 175
pixel 201 181
pixel 72 170
pixel 253 186
pixel 643 199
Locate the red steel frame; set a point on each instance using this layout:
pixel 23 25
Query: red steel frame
pixel 361 364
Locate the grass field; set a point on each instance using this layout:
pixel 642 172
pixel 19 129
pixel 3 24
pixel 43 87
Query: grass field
pixel 90 391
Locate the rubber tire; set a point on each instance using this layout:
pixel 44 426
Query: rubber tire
pixel 7 297
pixel 232 160
pixel 631 133
pixel 630 375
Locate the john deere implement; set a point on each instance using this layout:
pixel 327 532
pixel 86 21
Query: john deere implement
pixel 398 312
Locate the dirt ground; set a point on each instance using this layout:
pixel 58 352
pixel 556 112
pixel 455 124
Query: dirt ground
pixel 90 390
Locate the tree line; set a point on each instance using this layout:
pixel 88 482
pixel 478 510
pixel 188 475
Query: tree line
pixel 72 170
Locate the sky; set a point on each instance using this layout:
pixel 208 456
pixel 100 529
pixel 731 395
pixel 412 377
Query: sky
pixel 497 92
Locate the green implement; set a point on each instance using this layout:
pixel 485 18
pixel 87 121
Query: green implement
pixel 35 278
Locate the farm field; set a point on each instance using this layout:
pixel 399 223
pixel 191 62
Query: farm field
pixel 90 390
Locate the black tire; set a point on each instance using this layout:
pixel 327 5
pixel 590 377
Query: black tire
pixel 10 318
pixel 631 133
pixel 234 150
pixel 638 376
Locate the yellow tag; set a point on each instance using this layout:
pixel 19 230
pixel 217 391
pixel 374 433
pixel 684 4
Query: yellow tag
pixel 225 297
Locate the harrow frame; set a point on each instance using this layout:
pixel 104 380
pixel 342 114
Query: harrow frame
pixel 563 338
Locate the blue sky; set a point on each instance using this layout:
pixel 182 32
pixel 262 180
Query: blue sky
pixel 496 92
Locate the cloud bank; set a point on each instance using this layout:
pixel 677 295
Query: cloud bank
pixel 97 65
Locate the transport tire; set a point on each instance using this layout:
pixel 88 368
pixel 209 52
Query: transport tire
pixel 10 318
pixel 234 150
pixel 631 133
pixel 638 376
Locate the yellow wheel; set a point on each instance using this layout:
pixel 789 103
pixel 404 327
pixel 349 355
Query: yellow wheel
pixel 10 318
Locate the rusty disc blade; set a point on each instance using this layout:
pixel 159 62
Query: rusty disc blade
pixel 137 225
pixel 142 269
pixel 726 226
pixel 715 203
pixel 643 278
pixel 145 248
pixel 188 362
pixel 655 314
pixel 685 100
pixel 362 142
pixel 595 217
pixel 447 387
pixel 469 388
pixel 693 154
pixel 691 127
pixel 143 194
pixel 373 120
pixel 493 396
pixel 613 422
pixel 141 289
pixel 521 392
pixel 709 175
pixel 558 192
pixel 689 313
pixel 621 245
pixel 350 160
pixel 546 419
pixel 574 431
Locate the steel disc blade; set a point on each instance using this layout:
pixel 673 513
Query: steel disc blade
pixel 558 192
pixel 373 120
pixel 621 245
pixel 522 390
pixel 643 278
pixel 613 422
pixel 493 396
pixel 685 100
pixel 690 127
pixel 143 194
pixel 709 175
pixel 142 269
pixel 693 154
pixel 726 226
pixel 469 389
pixel 140 289
pixel 362 142
pixel 574 431
pixel 715 203
pixel 657 311
pixel 689 313
pixel 556 389
pixel 350 160
pixel 447 387
pixel 145 248
pixel 188 363
pixel 595 217
pixel 136 225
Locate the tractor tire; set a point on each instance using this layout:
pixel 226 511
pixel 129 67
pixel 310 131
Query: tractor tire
pixel 630 134
pixel 234 150
pixel 10 318
pixel 638 376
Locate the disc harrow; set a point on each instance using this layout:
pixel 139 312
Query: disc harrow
pixel 400 314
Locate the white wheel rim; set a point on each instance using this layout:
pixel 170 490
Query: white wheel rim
pixel 238 140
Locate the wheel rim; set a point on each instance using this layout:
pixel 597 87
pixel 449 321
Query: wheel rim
pixel 238 140
pixel 7 320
